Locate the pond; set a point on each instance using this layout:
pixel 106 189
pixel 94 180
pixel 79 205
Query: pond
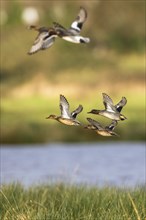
pixel 118 164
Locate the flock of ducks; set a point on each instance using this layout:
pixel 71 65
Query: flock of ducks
pixel 111 111
pixel 45 39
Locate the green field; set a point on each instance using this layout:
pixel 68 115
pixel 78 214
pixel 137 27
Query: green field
pixel 69 202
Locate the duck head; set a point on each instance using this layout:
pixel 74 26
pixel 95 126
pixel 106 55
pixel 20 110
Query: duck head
pixel 94 111
pixel 51 117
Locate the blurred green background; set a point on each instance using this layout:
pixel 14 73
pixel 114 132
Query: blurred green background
pixel 113 62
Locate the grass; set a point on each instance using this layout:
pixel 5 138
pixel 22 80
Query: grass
pixel 69 202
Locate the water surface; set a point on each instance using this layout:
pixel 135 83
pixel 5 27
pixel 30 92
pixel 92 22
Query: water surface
pixel 119 164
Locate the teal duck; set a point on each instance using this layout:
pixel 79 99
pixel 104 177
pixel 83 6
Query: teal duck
pixel 72 34
pixel 111 111
pixel 66 117
pixel 99 129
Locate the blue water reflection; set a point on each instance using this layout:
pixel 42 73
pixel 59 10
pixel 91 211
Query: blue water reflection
pixel 119 164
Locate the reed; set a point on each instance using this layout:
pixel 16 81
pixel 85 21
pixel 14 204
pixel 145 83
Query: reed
pixel 60 201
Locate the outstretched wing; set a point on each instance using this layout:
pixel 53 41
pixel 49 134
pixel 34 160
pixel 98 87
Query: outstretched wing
pixel 79 21
pixel 76 111
pixel 37 45
pixel 64 107
pixel 121 104
pixel 108 103
pixel 112 125
pixel 43 41
pixel 95 123
pixel 76 25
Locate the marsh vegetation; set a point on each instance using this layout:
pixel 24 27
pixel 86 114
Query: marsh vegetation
pixel 71 202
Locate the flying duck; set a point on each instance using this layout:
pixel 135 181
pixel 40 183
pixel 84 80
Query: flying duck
pixel 66 117
pixel 111 111
pixel 72 34
pixel 103 131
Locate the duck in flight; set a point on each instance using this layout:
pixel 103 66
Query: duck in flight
pixel 72 34
pixel 111 111
pixel 99 129
pixel 66 117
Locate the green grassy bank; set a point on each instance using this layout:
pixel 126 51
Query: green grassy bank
pixel 69 202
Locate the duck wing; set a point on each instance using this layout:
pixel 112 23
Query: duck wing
pixel 96 124
pixel 108 103
pixel 121 104
pixel 112 125
pixel 77 25
pixel 44 40
pixel 64 107
pixel 76 111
